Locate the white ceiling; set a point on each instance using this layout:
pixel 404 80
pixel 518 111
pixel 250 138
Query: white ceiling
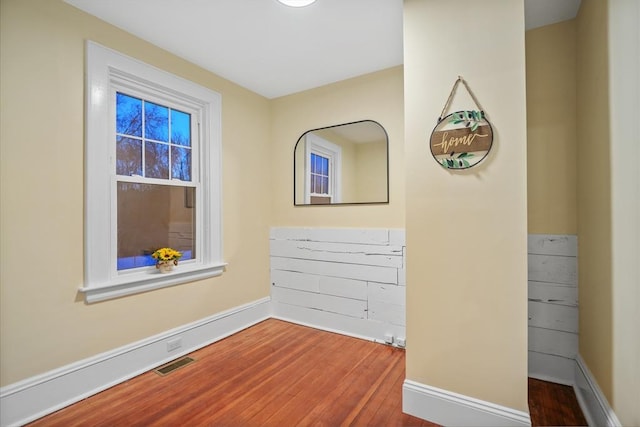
pixel 275 50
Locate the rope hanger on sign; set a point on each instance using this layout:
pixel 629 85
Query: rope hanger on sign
pixel 452 93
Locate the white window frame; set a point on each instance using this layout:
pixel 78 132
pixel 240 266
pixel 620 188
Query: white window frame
pixel 106 72
pixel 314 144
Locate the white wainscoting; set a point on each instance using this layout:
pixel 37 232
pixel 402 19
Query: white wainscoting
pixel 350 281
pixel 553 307
pixel 38 396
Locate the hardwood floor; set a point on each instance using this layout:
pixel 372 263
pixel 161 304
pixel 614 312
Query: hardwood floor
pixel 554 405
pixel 272 374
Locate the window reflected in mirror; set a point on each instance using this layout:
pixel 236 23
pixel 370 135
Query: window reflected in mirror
pixel 342 164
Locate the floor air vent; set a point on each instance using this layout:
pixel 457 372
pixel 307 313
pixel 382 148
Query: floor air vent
pixel 172 366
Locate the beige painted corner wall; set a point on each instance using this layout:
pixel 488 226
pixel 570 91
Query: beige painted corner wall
pixel 551 129
pixel 594 192
pixel 624 96
pixel 44 322
pixel 377 96
pixel 372 157
pixel 467 231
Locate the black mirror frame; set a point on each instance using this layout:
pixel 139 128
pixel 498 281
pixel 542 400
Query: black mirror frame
pixel 341 203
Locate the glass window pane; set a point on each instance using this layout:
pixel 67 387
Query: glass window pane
pixel 181 163
pixel 152 217
pixel 128 115
pixel 325 185
pixel 318 181
pixel 325 166
pixel 156 122
pixel 156 158
pixel 128 156
pixel 180 128
pixel 313 163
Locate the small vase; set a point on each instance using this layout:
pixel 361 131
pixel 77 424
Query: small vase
pixel 165 266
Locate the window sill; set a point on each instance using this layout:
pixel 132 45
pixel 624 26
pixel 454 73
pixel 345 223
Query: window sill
pixel 149 280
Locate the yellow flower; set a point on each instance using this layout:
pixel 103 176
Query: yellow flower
pixel 166 254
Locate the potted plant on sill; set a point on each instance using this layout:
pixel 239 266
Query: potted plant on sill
pixel 166 259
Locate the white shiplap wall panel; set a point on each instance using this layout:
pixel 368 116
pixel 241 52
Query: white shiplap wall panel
pixel 387 313
pixel 377 255
pixel 553 293
pixel 549 341
pixel 365 236
pixel 550 367
pixel 553 306
pixel 553 269
pixel 553 244
pixel 348 288
pixel 349 280
pixel 295 280
pixel 396 237
pixel 402 277
pixel 336 269
pixel 345 306
pixel 387 303
pixel 387 293
pixel 553 316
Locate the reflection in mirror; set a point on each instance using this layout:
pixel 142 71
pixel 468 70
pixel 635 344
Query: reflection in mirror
pixel 342 164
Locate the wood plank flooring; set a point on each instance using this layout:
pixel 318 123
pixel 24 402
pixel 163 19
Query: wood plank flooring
pixel 554 405
pixel 272 374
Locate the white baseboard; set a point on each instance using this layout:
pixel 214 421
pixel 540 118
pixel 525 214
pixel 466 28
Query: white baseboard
pixel 453 409
pixel 38 396
pixel 594 404
pixel 367 329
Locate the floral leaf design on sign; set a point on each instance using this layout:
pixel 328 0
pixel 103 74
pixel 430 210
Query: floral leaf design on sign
pixel 470 118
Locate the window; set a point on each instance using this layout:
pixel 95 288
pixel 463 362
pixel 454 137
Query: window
pixel 152 176
pixel 323 171
pixel 320 178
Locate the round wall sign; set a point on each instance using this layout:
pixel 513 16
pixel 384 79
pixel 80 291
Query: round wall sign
pixel 462 139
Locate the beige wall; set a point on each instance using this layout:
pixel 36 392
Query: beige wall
pixel 624 51
pixel 44 323
pixel 467 231
pixel 551 129
pixel 371 180
pixel 594 192
pixel 624 95
pixel 377 96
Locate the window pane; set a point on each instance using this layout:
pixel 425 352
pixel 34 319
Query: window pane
pixel 318 181
pixel 152 217
pixel 180 128
pixel 156 122
pixel 156 158
pixel 128 156
pixel 325 185
pixel 181 163
pixel 325 166
pixel 128 115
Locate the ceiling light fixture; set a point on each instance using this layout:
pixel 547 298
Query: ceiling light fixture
pixel 296 3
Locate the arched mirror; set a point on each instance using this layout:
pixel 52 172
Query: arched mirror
pixel 342 164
